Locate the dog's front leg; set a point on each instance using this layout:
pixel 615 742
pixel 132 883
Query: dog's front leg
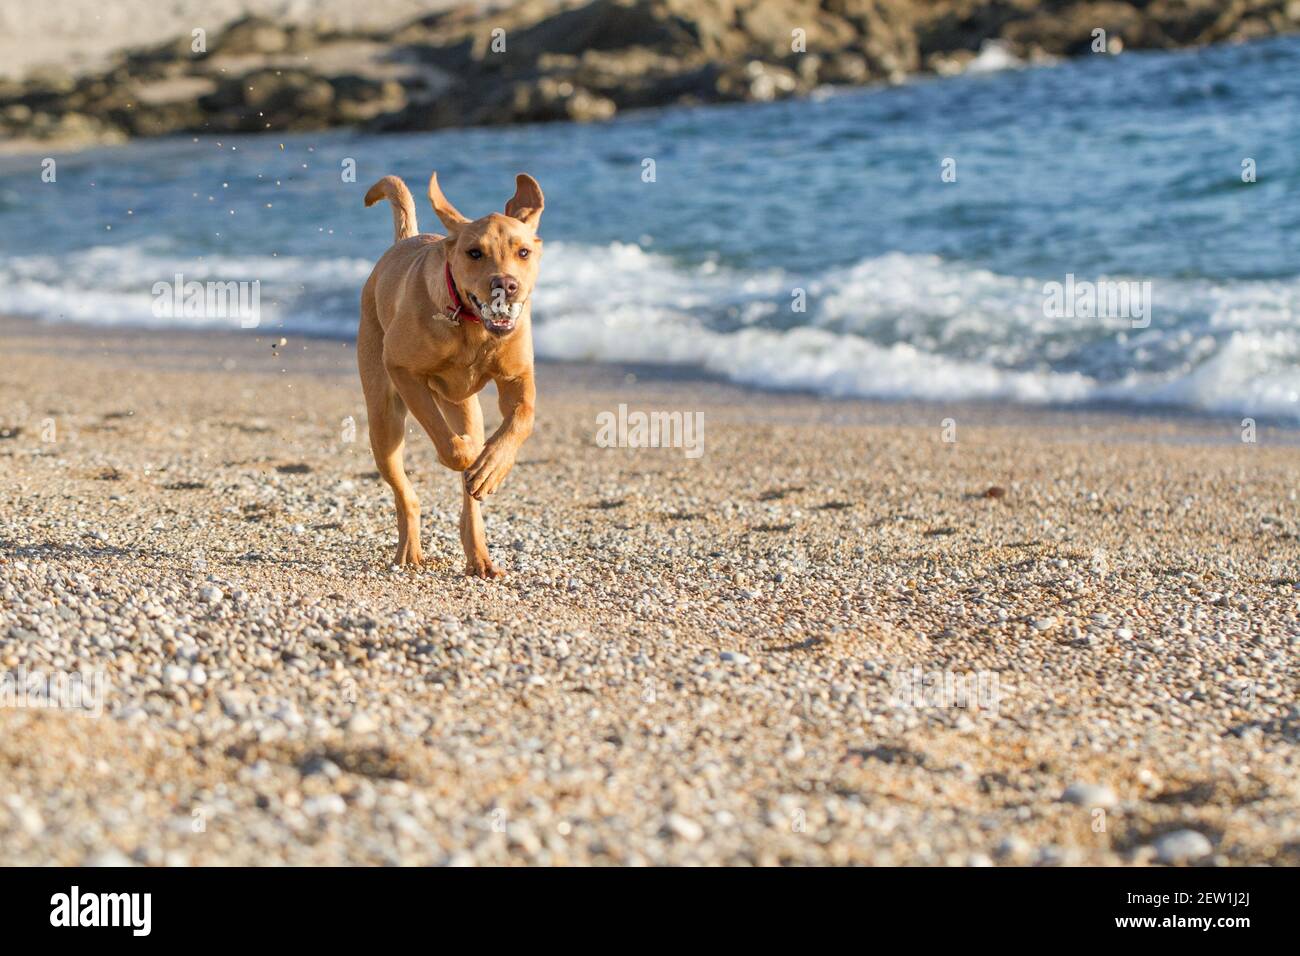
pixel 517 397
pixel 453 452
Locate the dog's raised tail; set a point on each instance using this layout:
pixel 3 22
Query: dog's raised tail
pixel 395 191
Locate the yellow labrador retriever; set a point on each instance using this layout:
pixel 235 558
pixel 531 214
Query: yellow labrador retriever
pixel 440 316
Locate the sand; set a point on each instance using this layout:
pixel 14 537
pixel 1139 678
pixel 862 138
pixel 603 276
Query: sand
pixel 1066 637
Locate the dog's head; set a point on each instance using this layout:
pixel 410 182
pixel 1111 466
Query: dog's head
pixel 494 259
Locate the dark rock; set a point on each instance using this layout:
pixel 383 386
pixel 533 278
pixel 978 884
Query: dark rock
pixel 635 77
pixel 1069 32
pixel 964 25
pixel 543 100
pixel 273 90
pixel 844 69
pixel 164 118
pixel 359 99
pixel 600 25
pixel 1192 22
pixel 768 29
pixel 272 99
pixel 228 95
pixel 51 80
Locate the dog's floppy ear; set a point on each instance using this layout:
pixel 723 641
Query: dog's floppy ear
pixel 447 214
pixel 527 203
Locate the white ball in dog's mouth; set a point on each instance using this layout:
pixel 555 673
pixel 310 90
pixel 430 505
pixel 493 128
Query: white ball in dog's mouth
pixel 498 316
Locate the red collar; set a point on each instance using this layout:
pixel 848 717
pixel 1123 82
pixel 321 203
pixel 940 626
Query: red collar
pixel 459 310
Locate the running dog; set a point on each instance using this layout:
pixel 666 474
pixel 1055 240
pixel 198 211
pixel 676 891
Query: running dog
pixel 440 317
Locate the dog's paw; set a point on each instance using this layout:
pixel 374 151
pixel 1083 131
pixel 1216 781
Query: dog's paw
pixel 483 568
pixel 489 470
pixel 409 554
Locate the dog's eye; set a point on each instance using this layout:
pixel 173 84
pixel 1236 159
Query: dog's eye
pixel 523 253
pixel 476 253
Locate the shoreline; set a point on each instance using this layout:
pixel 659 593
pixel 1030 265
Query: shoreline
pixel 203 343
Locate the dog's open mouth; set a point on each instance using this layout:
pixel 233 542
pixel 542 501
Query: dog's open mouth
pixel 498 317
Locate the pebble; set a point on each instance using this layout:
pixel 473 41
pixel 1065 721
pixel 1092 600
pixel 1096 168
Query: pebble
pixel 29 818
pixel 327 804
pixel 1090 795
pixel 1182 846
pixel 110 858
pixel 685 828
pixel 362 723
pixel 1012 848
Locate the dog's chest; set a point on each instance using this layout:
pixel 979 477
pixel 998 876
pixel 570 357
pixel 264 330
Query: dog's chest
pixel 464 375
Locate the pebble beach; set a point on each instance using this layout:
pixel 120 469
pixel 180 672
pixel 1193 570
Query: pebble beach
pixel 846 633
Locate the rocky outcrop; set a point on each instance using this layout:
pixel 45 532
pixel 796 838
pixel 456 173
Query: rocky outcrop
pixel 540 60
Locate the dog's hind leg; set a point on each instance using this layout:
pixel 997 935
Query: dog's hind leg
pixel 387 416
pixel 466 419
pixel 387 439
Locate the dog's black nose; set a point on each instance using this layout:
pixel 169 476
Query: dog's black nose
pixel 508 284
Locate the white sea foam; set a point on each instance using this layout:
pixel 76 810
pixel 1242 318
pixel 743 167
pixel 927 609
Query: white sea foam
pixel 904 326
pixel 895 326
pixel 114 285
pixel 994 56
